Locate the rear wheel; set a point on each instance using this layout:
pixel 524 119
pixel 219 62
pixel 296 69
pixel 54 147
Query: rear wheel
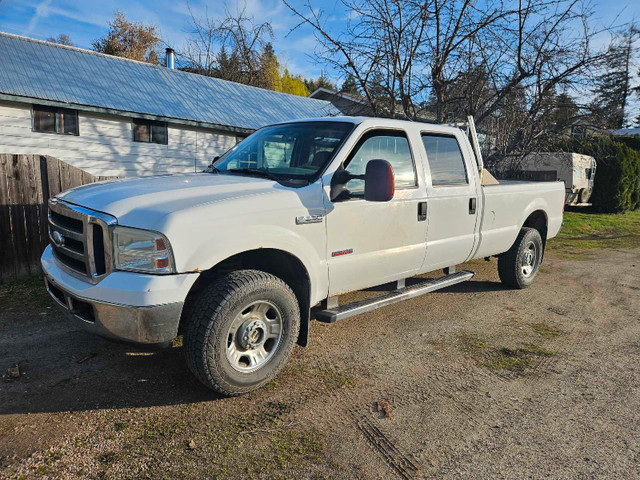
pixel 584 195
pixel 242 331
pixel 519 266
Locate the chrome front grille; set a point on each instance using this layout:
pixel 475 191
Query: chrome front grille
pixel 80 239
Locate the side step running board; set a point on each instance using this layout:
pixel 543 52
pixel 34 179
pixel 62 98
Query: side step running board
pixel 332 315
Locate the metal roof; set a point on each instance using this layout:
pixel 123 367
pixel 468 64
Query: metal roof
pixel 33 70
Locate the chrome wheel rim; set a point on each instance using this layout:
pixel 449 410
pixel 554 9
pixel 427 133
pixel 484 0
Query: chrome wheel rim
pixel 529 259
pixel 254 336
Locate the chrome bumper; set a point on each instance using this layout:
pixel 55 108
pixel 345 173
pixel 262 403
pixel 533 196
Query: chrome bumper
pixel 149 325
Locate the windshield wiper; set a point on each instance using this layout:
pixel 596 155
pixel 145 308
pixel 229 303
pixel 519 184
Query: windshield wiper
pixel 256 173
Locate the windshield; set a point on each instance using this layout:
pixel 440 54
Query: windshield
pixel 294 152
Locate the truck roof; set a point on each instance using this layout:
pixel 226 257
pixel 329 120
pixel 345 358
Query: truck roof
pixel 382 122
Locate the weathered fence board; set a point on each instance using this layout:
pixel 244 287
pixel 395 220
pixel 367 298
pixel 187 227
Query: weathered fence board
pixel 26 184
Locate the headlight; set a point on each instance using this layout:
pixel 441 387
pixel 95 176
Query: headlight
pixel 142 251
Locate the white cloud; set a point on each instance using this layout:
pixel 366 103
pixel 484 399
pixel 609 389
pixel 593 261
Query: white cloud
pixel 42 10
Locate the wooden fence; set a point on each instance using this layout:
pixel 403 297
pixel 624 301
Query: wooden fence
pixel 26 184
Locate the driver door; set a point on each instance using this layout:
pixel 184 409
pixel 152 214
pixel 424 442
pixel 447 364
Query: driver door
pixel 371 243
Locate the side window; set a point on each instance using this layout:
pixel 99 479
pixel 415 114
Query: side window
pixel 148 131
pixel 445 160
pixel 55 120
pixel 384 145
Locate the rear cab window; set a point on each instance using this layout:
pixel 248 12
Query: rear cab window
pixel 445 160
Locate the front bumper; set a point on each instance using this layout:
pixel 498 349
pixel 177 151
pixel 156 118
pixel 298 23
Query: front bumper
pixel 132 307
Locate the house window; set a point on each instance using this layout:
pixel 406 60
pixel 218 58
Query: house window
pixel 150 132
pixel 55 120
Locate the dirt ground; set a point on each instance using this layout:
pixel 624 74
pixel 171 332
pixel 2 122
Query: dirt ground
pixel 475 381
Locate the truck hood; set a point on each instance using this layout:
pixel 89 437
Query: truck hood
pixel 153 198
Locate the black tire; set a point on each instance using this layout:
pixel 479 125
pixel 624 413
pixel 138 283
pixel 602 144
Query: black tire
pixel 512 264
pixel 216 308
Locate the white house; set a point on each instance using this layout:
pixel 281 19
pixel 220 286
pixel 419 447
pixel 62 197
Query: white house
pixel 117 117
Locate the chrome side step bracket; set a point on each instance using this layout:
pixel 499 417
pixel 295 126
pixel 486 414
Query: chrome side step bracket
pixel 331 315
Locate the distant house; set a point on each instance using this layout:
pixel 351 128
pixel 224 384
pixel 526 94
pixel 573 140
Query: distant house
pixel 116 117
pixel 346 104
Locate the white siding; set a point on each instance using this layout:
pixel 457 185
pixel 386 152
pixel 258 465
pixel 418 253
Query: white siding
pixel 105 145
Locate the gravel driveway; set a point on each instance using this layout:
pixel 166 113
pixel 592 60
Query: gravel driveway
pixel 474 381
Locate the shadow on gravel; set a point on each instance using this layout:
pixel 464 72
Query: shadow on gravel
pixel 72 370
pixel 63 368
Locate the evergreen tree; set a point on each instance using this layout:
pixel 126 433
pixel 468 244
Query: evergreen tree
pixel 321 82
pixel 614 85
pixel 269 68
pixel 564 113
pixel 350 86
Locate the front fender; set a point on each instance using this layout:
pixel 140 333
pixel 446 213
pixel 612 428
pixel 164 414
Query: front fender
pixel 205 236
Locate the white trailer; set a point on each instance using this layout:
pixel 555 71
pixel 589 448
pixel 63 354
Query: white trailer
pixel 575 170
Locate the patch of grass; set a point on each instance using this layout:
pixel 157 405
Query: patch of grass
pixel 120 426
pixel 585 231
pixel 471 344
pixel 336 378
pixel 501 358
pixel 289 445
pixel 537 350
pixel 506 359
pixel 30 292
pixel 545 330
pixel 514 359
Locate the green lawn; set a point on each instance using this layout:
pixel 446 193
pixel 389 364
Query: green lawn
pixel 583 231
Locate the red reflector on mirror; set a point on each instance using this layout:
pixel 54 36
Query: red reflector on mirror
pixel 162 262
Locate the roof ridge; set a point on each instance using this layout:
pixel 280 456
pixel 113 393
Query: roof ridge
pixel 73 47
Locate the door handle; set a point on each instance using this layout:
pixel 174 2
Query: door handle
pixel 422 211
pixel 472 206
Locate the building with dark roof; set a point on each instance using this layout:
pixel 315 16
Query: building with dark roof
pixel 346 104
pixel 117 117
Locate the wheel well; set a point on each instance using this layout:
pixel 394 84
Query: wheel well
pixel 276 262
pixel 538 220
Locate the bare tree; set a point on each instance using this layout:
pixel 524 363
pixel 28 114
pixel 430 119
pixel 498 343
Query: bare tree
pixel 450 58
pixel 61 39
pixel 229 48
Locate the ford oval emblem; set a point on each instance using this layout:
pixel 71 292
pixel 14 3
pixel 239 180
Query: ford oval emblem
pixel 58 239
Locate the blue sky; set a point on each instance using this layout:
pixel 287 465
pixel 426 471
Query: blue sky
pixel 86 20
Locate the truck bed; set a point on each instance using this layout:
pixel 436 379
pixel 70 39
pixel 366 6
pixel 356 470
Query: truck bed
pixel 508 204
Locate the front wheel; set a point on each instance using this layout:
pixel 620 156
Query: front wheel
pixel 519 266
pixel 242 331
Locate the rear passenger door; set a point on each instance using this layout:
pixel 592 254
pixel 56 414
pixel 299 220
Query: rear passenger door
pixel 453 203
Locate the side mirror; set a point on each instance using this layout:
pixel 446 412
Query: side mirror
pixel 379 181
pixel 215 159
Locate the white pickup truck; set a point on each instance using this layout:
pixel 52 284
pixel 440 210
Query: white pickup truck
pixel 298 213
